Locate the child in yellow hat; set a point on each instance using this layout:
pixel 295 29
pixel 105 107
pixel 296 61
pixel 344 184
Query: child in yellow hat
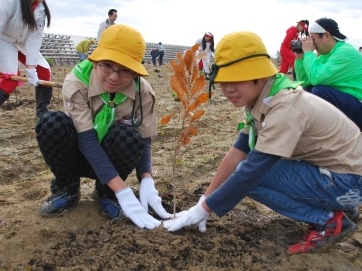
pixel 104 132
pixel 296 153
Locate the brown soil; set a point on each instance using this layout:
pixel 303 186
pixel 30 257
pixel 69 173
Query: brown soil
pixel 251 237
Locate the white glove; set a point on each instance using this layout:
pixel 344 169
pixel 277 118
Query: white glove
pixel 149 196
pixel 193 217
pixel 133 210
pixel 32 77
pixel 202 225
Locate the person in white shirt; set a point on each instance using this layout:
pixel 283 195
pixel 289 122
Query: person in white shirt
pixel 22 24
pixel 206 51
pixel 112 16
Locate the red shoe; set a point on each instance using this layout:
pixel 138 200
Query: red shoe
pixel 317 236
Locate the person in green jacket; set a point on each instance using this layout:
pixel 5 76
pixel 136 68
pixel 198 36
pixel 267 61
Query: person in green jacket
pixel 83 48
pixel 335 72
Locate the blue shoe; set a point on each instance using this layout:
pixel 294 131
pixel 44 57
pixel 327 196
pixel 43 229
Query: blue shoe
pixel 110 207
pixel 58 203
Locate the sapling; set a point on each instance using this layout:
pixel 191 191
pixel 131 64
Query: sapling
pixel 187 83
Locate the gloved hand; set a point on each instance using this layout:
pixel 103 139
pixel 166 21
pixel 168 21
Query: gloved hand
pixel 202 225
pixel 32 77
pixel 149 196
pixel 193 217
pixel 133 210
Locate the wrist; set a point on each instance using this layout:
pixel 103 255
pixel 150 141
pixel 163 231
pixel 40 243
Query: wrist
pixel 121 190
pixel 205 208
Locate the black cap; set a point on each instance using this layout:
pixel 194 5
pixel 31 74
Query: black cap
pixel 331 26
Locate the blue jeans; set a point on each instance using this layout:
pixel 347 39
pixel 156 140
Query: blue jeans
pixel 347 103
pixel 158 54
pixel 81 56
pixel 307 193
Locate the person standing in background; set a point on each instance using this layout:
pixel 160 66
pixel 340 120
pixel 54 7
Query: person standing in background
pixel 158 53
pixel 22 24
pixel 83 48
pixel 287 56
pixel 112 16
pixel 206 50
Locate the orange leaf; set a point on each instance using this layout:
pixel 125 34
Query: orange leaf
pixel 198 114
pixel 180 90
pixel 191 107
pixel 195 72
pixel 189 131
pixel 194 48
pixel 189 60
pixel 185 140
pixel 199 84
pixel 202 98
pixel 166 119
pixel 179 57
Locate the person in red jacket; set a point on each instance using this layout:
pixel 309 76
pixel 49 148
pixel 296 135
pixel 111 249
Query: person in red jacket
pixel 287 56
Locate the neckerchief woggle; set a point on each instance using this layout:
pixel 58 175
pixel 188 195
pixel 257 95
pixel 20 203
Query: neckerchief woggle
pixel 104 118
pixel 281 82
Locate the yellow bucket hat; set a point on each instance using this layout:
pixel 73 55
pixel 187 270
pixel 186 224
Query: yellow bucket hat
pixel 241 56
pixel 122 44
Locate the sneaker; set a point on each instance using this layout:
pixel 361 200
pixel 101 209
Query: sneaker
pixel 317 236
pixel 352 214
pixel 58 203
pixel 156 70
pixel 110 207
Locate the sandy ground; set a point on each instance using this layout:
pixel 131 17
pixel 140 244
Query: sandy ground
pixel 251 237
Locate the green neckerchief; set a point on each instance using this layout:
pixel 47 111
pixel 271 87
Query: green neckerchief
pixel 281 82
pixel 105 118
pixel 83 70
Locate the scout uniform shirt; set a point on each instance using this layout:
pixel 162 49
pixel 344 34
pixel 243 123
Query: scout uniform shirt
pixel 297 125
pixel 82 104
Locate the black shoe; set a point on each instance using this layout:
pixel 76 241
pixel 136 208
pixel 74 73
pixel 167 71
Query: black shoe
pixel 110 207
pixel 156 70
pixel 58 203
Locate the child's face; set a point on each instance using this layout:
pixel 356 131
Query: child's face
pixel 242 93
pixel 112 76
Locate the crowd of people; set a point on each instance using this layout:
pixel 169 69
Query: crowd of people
pixel 298 152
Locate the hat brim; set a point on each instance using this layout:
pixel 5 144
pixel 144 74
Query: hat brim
pixel 340 37
pixel 245 70
pixel 121 58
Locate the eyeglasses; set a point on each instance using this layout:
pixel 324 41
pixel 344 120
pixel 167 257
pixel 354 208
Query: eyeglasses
pixel 124 73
